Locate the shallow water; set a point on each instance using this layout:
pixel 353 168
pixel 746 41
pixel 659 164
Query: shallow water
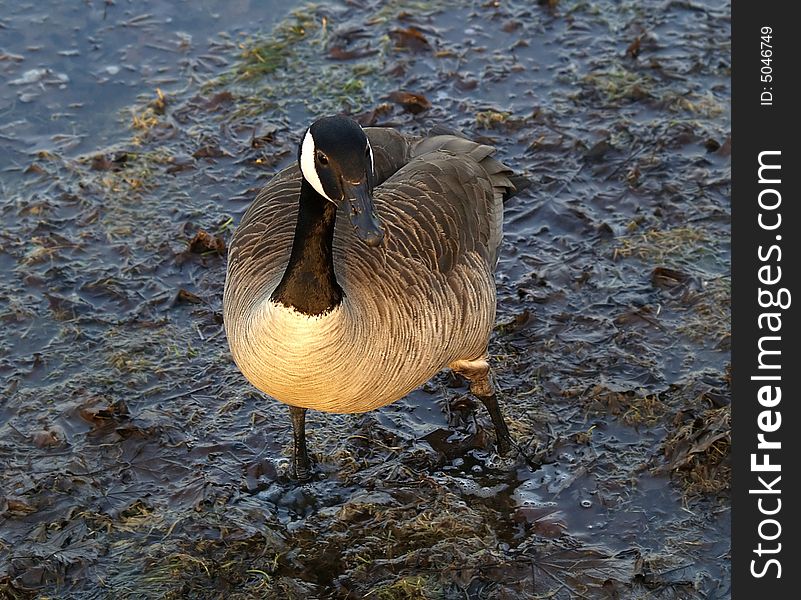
pixel 136 460
pixel 72 70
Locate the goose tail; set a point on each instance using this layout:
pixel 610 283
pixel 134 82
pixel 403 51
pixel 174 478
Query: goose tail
pixel 520 183
pixel 505 182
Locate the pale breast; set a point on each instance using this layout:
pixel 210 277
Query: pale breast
pixel 370 350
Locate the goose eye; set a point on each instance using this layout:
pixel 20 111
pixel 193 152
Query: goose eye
pixel 322 158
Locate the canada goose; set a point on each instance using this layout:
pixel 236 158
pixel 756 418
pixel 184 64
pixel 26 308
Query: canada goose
pixel 349 315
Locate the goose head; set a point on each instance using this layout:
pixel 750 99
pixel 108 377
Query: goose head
pixel 336 160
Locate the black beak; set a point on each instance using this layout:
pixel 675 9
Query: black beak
pixel 359 205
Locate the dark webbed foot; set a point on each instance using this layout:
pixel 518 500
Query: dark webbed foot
pixel 301 465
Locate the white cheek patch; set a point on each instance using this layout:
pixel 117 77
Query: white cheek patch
pixel 308 167
pixel 372 162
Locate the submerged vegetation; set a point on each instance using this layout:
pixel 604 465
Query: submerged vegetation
pixel 136 462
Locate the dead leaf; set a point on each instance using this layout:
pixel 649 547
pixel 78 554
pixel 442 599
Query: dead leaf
pixel 519 322
pixel 102 162
pixel 19 506
pixel 466 83
pixel 65 309
pixel 545 521
pixel 210 151
pixel 634 48
pixel 413 103
pixel 340 53
pixel 100 412
pixel 187 296
pixel 180 162
pixel 54 437
pixel 410 39
pixel 218 100
pixel 725 147
pixel 370 118
pixel 35 168
pixel 598 151
pixel 263 137
pixel 667 278
pixel 206 242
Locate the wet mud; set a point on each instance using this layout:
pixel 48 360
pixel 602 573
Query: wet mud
pixel 137 462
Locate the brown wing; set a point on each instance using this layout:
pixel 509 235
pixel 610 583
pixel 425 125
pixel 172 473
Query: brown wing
pixel 440 198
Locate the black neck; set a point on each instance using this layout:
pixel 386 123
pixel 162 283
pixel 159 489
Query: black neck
pixel 309 284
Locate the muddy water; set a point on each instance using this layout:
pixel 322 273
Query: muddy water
pixel 137 462
pixel 71 71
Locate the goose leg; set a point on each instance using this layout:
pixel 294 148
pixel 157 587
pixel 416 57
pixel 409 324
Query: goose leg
pixel 482 387
pixel 504 439
pixel 301 467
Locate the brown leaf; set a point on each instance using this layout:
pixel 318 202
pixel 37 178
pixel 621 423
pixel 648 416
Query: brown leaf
pixel 340 53
pixel 520 321
pixel 636 315
pixel 206 242
pixel 706 441
pixel 598 151
pixel 35 168
pixel 100 412
pixel 263 137
pixel 545 521
pixel 666 278
pixel 466 83
pixel 397 70
pixel 65 308
pixel 18 505
pixel 218 100
pixel 410 39
pixel 55 437
pixel 180 162
pixel 725 147
pixel 187 296
pixel 634 48
pixel 210 151
pixel 370 118
pixel 101 162
pixel 413 103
